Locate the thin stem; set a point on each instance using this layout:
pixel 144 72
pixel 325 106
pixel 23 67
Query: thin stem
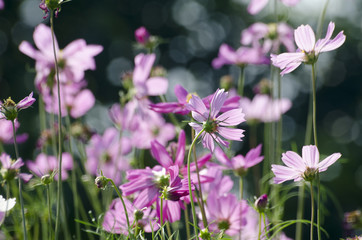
pixel 318 208
pixel 265 226
pixel 312 210
pixel 321 20
pixel 259 231
pixel 187 221
pixel 49 212
pixel 201 202
pixel 189 182
pixel 241 81
pixel 161 218
pixel 169 232
pixel 25 234
pixel 120 196
pixel 314 105
pixel 241 187
pixel 300 211
pixel 59 192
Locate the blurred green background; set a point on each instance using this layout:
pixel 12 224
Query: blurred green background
pixel 194 30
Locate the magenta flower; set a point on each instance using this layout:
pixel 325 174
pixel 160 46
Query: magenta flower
pixel 6 132
pixel 73 60
pixel 305 167
pixel 10 168
pixel 256 6
pixel 215 126
pixel 9 109
pixel 142 35
pixel 225 213
pixel 264 109
pixel 115 219
pixel 308 49
pixel 240 164
pixel 26 102
pixel 45 165
pixel 2 5
pixel 269 36
pixel 240 57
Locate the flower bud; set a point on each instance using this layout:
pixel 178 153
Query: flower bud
pixel 226 82
pixel 46 179
pixel 261 203
pixel 101 182
pixel 205 234
pixel 142 35
pixel 138 214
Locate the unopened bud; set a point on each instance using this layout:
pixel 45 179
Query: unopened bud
pixel 261 203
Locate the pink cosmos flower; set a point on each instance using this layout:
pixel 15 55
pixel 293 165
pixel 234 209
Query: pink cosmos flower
pixel 215 126
pixel 225 213
pixel 269 36
pixel 308 49
pixel 44 165
pixel 107 154
pixel 143 83
pixel 75 100
pixel 242 56
pixel 142 35
pixel 73 60
pixel 10 168
pixel 6 132
pixel 256 6
pixel 264 109
pixel 305 167
pixel 240 164
pixel 115 219
pixel 2 5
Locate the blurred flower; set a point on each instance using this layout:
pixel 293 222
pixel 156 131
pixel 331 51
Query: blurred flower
pixel 264 109
pixel 308 49
pixel 305 167
pixel 225 213
pixel 75 100
pixel 142 35
pixel 2 5
pixel 6 132
pixel 107 154
pixel 73 60
pixel 5 206
pixel 10 168
pixel 240 164
pixel 46 165
pixel 144 84
pixel 256 6
pixel 269 36
pixel 213 126
pixel 240 57
pixel 115 221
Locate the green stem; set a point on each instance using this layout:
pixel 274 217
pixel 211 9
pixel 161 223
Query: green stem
pixel 189 182
pixel 74 179
pixel 120 196
pixel 161 219
pixel 321 20
pixel 49 212
pixel 300 211
pixel 312 210
pixel 20 184
pixel 187 222
pixel 59 192
pixel 318 208
pixel 241 81
pixel 314 105
pixel 201 202
pixel 241 187
pixel 259 231
pixel 42 118
pixel 169 232
pixel 265 227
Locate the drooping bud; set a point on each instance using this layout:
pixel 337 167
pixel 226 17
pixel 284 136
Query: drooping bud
pixel 101 182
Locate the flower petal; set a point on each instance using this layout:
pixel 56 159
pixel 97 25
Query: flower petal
pixel 283 173
pixel 304 38
pixel 293 160
pixel 156 86
pixel 322 166
pixel 160 154
pixel 310 156
pixel 217 102
pixel 231 118
pixel 256 6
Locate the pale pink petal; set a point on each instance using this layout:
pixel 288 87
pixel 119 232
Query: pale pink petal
pixel 26 48
pixel 283 173
pixel 199 110
pixel 180 154
pixel 231 133
pixel 181 93
pixel 208 142
pixel 322 166
pixel 43 40
pixel 310 155
pixel 67 161
pixel 304 38
pixel 231 118
pixel 156 86
pixel 222 158
pixel 160 154
pixel 82 103
pixel 227 55
pixel 290 68
pixel 293 160
pixel 143 66
pixel 256 6
pixel 284 59
pixel 334 43
pixel 217 102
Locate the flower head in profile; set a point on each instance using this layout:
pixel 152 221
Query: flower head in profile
pixel 308 49
pixel 305 167
pixel 51 5
pixel 215 126
pixel 9 109
pixel 10 169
